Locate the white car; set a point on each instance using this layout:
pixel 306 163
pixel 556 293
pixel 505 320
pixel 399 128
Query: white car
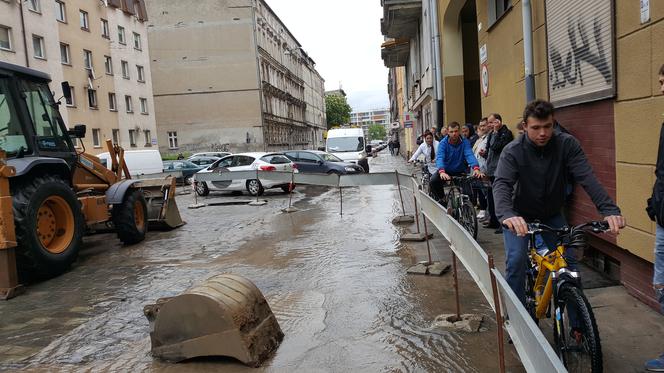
pixel 246 162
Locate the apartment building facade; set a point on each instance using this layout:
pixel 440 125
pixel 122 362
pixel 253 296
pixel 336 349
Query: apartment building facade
pixel 376 116
pixel 596 60
pixel 229 75
pixel 80 42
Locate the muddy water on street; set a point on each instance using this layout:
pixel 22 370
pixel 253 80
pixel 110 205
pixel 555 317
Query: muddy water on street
pixel 337 285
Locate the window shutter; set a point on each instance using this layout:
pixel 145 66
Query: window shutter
pixel 128 6
pixel 141 10
pixel 115 3
pixel 580 51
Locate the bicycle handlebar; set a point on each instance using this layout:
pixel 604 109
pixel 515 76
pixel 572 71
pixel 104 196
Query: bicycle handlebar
pixel 598 226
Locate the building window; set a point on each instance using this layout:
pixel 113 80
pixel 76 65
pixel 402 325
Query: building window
pixel 96 138
pixel 112 103
pixel 38 47
pixel 137 41
pixel 60 11
pixel 172 140
pixel 105 33
pixel 125 69
pixel 5 38
pixel 92 98
pixel 132 138
pixel 71 101
pixel 121 35
pixel 83 20
pixel 108 65
pixel 144 105
pixel 141 73
pixel 64 54
pixel 87 59
pixel 34 5
pixel 497 8
pixel 116 136
pixel 148 138
pixel 128 105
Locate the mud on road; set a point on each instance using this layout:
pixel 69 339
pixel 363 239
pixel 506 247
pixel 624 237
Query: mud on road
pixel 337 285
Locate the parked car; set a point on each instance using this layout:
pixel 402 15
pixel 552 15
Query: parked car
pixel 188 170
pixel 139 162
pixel 321 162
pixel 202 160
pixel 246 162
pixel 209 154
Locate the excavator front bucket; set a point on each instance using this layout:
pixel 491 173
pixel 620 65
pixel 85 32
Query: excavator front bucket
pixel 163 212
pixel 224 316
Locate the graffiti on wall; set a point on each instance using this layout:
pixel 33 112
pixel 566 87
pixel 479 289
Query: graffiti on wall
pixel 584 48
pixel 580 48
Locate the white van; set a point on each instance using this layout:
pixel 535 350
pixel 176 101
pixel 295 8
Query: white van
pixel 349 144
pixel 139 162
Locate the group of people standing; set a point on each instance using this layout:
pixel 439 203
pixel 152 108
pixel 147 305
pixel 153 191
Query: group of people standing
pixel 457 150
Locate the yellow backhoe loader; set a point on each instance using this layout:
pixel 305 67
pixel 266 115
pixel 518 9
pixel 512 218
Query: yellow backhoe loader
pixel 51 194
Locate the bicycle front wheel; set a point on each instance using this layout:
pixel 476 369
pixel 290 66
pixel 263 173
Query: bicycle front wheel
pixel 468 218
pixel 575 332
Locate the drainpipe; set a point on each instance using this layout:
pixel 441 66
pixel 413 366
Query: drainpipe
pixel 25 40
pixel 437 67
pixel 528 50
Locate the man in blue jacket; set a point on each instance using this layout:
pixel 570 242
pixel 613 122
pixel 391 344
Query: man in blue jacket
pixel 454 158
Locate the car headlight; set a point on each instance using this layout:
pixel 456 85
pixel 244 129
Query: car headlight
pixel 350 169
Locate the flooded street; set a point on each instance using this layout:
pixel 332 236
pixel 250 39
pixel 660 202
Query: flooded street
pixel 336 283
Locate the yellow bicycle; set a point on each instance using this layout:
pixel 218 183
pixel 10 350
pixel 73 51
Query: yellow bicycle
pixel 551 285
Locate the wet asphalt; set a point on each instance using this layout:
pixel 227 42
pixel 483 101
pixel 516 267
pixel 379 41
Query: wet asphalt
pixel 336 283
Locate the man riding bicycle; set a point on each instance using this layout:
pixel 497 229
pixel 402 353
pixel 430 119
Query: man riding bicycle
pixel 531 177
pixel 453 158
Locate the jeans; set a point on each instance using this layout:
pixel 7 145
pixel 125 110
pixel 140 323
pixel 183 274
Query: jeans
pixel 658 278
pixel 516 253
pixel 493 219
pixel 437 186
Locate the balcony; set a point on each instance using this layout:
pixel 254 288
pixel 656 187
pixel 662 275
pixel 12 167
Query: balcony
pixel 395 52
pixel 400 18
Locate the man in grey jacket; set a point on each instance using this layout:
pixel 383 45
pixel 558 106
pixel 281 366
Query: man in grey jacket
pixel 531 177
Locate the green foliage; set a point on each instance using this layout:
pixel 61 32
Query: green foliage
pixel 377 132
pixel 337 110
pixel 174 156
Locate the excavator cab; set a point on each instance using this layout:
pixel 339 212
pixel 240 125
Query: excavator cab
pixel 58 193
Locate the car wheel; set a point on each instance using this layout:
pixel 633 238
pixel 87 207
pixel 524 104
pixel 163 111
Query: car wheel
pixel 189 180
pixel 254 187
pixel 202 188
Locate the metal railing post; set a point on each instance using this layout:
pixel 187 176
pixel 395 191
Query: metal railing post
pixel 426 235
pixel 499 317
pixel 456 286
pixel 403 209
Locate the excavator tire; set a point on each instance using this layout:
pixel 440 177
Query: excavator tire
pixel 49 227
pixel 131 218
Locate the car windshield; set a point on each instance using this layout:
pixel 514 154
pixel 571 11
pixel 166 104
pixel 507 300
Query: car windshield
pixel 345 144
pixel 330 157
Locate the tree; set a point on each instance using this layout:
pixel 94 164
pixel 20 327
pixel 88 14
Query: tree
pixel 377 132
pixel 337 110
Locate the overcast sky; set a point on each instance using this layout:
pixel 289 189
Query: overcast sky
pixel 343 37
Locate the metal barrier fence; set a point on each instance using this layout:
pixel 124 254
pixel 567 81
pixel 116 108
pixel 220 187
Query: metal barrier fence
pixel 534 350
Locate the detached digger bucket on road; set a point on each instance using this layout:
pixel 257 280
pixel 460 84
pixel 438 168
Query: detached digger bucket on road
pixel 224 316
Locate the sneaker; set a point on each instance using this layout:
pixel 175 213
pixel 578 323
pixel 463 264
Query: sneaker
pixel 656 365
pixel 481 214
